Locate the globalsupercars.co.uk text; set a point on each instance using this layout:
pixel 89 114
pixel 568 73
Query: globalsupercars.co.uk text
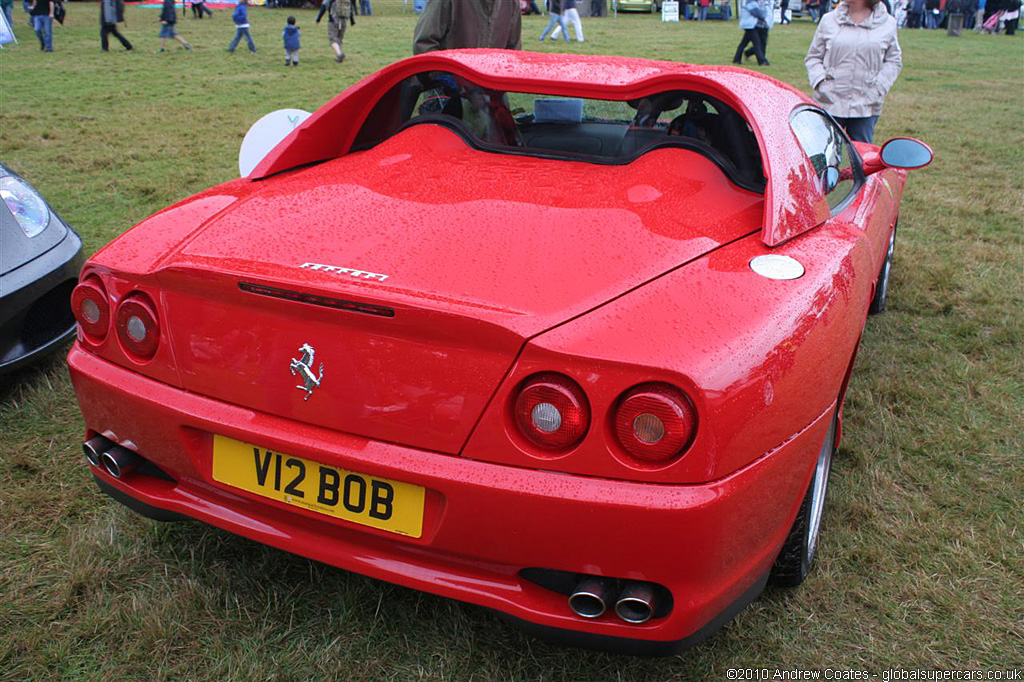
pixel 888 675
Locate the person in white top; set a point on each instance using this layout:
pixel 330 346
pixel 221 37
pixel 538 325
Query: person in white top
pixel 853 60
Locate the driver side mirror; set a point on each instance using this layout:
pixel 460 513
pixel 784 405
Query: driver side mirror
pixel 899 152
pixel 906 152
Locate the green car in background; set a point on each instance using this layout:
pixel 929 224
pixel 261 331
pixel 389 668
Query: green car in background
pixel 635 5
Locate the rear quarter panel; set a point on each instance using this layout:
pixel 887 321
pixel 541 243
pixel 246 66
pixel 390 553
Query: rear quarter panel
pixel 761 359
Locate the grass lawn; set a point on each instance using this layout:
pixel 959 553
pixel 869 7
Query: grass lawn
pixel 922 558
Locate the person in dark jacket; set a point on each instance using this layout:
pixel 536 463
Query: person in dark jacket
pixel 199 8
pixel 932 15
pixel 41 12
pixel 292 45
pixel 1011 16
pixel 915 14
pixel 970 10
pixel 453 24
pixel 598 8
pixel 168 28
pixel 111 14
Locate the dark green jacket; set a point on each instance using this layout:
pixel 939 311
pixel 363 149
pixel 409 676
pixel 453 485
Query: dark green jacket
pixel 452 24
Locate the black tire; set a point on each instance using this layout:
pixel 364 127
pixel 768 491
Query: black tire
pixel 797 555
pixel 882 286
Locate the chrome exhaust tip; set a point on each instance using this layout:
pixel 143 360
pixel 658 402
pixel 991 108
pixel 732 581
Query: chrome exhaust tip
pixel 94 449
pixel 119 461
pixel 590 598
pixel 636 603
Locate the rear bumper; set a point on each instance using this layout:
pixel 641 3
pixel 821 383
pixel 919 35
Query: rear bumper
pixel 710 545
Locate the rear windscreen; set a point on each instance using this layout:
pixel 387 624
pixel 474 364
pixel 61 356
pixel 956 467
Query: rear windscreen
pixel 594 130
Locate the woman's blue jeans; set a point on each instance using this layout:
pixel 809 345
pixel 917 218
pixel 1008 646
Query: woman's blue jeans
pixel 859 129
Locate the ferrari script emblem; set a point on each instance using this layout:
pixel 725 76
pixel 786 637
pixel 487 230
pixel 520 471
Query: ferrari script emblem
pixel 304 368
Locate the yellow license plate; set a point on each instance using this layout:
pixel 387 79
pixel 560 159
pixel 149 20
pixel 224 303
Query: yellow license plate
pixel 377 502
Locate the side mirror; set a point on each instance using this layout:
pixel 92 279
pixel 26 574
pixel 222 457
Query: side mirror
pixel 265 134
pixel 906 152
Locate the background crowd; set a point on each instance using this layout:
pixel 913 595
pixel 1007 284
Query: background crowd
pixel 852 62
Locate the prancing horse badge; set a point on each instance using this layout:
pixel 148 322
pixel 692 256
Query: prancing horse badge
pixel 304 367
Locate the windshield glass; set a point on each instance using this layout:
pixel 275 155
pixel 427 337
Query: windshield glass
pixel 593 130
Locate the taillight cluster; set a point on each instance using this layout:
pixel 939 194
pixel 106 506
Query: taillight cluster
pixel 651 423
pixel 135 321
pixel 552 411
pixel 91 308
pixel 654 422
pixel 137 326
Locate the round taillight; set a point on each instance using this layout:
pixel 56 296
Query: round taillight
pixel 91 308
pixel 552 411
pixel 137 325
pixel 654 422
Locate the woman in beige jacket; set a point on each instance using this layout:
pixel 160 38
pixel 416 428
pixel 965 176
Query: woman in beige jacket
pixel 853 60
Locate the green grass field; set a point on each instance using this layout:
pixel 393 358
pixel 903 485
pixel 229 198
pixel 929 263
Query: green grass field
pixel 922 558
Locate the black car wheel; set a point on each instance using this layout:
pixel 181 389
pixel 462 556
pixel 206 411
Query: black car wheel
pixel 882 287
pixel 794 561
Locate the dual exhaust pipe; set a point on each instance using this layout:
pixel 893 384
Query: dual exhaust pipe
pixel 116 460
pixel 635 603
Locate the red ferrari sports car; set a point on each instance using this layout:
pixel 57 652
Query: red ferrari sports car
pixel 565 337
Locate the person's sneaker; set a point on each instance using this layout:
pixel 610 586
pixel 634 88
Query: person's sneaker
pixel 340 58
pixel 128 49
pixel 287 63
pixel 187 46
pixel 161 50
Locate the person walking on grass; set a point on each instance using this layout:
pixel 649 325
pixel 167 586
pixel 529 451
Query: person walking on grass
pixel 168 29
pixel 41 12
pixel 339 15
pixel 570 15
pixel 763 26
pixel 783 17
pixel 199 8
pixel 111 14
pixel 292 45
pixel 853 60
pixel 752 13
pixel 241 19
pixel 555 16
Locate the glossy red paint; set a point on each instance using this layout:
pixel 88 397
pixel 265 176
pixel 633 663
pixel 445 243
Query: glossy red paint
pixel 453 276
pixel 794 202
pixel 484 522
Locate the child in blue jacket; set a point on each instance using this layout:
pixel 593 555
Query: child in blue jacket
pixel 241 19
pixel 291 35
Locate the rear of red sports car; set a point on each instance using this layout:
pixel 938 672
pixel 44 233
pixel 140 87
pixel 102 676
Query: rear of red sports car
pixel 547 385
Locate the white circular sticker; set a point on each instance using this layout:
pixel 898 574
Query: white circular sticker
pixel 266 134
pixel 777 267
